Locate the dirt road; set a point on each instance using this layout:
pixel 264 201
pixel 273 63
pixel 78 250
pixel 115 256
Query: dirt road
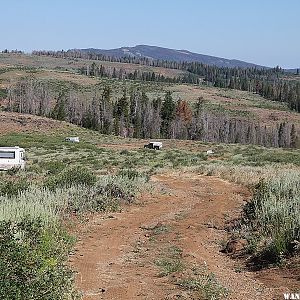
pixel 117 254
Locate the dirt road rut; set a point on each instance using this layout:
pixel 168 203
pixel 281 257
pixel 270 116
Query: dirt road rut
pixel 117 253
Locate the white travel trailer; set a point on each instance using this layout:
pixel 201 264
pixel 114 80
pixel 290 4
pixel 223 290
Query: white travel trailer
pixel 12 157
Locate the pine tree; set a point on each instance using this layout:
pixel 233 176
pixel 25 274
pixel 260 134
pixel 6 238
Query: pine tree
pixel 114 74
pixel 293 143
pixel 59 111
pixel 122 106
pixel 121 112
pixel 281 135
pixel 167 113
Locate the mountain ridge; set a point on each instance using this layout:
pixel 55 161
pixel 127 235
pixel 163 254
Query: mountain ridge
pixel 177 55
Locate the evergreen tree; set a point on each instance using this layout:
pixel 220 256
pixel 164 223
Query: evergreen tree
pixel 293 143
pixel 281 135
pixel 167 113
pixel 59 111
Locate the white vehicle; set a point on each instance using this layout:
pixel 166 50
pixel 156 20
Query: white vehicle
pixel 12 157
pixel 74 139
pixel 209 152
pixel 154 145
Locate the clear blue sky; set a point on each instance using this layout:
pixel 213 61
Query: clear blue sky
pixel 265 32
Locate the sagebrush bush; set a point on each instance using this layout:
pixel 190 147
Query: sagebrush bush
pixel 50 204
pixel 106 194
pixel 274 214
pixel 132 174
pixel 35 202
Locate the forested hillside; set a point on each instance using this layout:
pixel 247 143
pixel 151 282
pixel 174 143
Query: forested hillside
pixel 145 104
pixel 274 84
pixel 135 115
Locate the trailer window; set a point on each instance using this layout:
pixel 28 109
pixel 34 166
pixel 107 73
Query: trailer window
pixel 7 155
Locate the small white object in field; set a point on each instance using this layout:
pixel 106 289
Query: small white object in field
pixel 210 152
pixel 74 139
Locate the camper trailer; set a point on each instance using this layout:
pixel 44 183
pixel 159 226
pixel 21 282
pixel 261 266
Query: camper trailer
pixel 154 145
pixel 12 157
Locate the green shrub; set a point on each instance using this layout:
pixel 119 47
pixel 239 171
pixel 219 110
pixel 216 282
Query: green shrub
pixel 125 152
pixel 13 171
pixel 3 93
pixel 110 191
pixel 33 262
pixel 132 174
pixel 54 167
pixel 90 198
pixel 71 176
pixel 11 188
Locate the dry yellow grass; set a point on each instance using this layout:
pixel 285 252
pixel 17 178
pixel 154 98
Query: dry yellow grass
pixel 74 64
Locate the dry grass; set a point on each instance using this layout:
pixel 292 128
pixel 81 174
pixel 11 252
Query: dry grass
pixel 74 64
pixel 245 175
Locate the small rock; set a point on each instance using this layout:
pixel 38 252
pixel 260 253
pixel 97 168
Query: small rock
pixel 234 246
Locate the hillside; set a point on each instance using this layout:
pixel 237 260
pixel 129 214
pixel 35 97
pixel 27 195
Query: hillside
pixel 73 65
pixel 148 219
pixel 160 53
pixel 45 85
pixel 22 123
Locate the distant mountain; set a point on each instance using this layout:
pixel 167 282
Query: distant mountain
pixel 153 52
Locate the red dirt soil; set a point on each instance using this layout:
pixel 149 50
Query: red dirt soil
pixel 116 253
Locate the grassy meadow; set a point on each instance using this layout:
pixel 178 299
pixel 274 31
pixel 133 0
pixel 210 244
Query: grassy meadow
pixel 102 173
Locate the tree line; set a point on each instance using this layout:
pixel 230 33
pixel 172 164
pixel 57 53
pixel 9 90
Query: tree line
pixel 135 115
pixel 99 70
